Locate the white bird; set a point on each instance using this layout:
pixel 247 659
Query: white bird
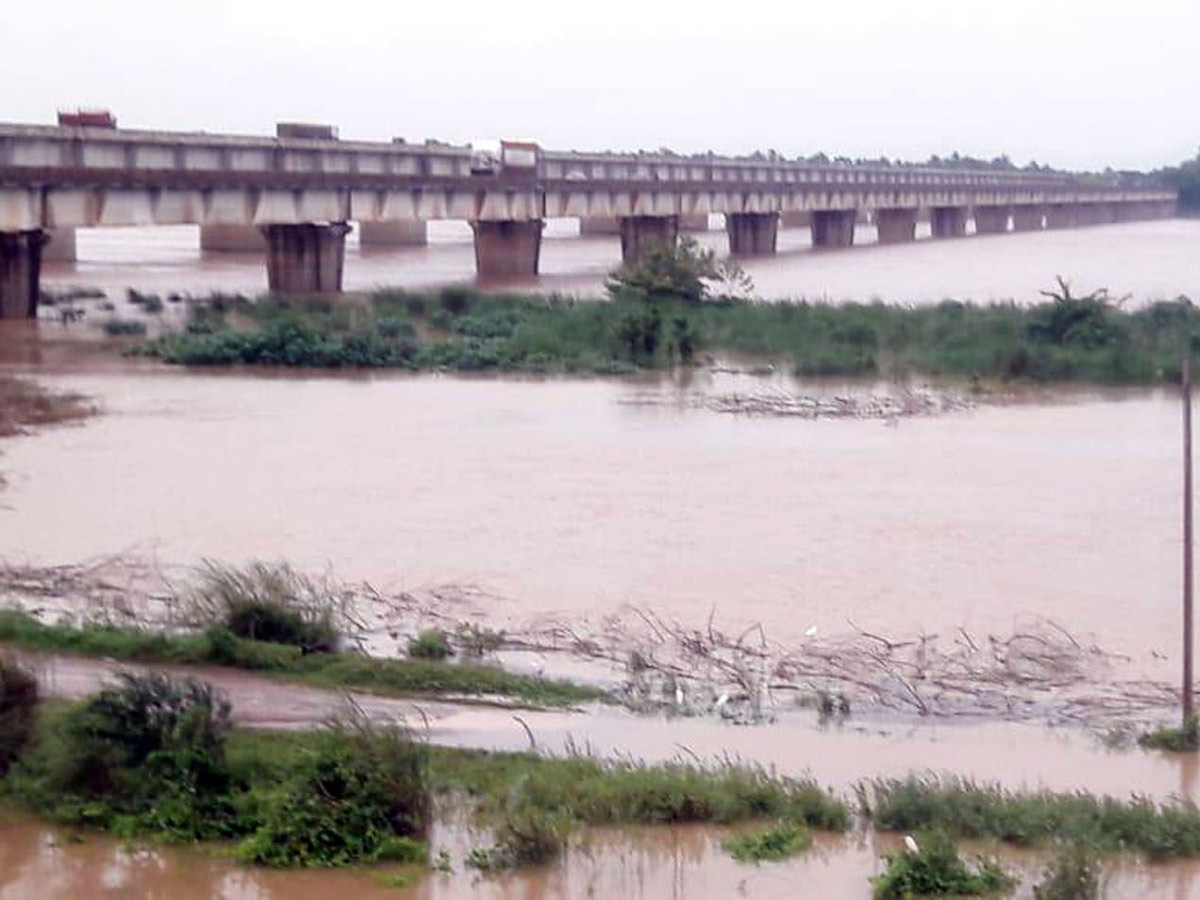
pixel 722 700
pixel 678 695
pixel 811 631
pixel 911 843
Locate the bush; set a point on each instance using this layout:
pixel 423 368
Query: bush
pixel 1072 875
pixel 19 696
pixel 478 641
pixel 267 602
pixel 526 835
pixel 145 754
pixel 937 870
pixel 1175 739
pixel 774 843
pixel 124 328
pixel 432 643
pixel 362 796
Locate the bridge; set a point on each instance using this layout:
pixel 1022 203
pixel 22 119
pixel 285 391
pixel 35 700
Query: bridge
pixel 301 191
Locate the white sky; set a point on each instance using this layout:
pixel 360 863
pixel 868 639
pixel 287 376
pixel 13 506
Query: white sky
pixel 1076 84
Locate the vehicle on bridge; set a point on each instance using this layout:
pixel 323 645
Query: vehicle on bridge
pixel 493 157
pixel 88 118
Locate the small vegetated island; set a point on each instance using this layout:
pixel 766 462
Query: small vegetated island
pixel 678 306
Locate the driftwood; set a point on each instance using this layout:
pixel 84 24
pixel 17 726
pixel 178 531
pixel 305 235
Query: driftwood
pixel 1038 672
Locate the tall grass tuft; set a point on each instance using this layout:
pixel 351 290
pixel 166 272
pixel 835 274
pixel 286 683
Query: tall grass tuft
pixel 267 602
pixel 934 868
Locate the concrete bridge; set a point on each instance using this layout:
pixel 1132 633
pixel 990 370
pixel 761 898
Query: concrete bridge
pixel 300 193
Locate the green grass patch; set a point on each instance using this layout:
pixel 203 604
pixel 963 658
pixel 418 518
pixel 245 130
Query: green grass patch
pixel 935 869
pixel 1173 738
pixel 1034 818
pixel 769 844
pixel 395 677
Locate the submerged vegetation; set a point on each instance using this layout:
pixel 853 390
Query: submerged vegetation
pixel 667 313
pixel 219 646
pixel 768 844
pixel 25 404
pixel 1183 738
pixel 932 867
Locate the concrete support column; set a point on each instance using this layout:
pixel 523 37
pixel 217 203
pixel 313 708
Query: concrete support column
pixel 991 219
pixel 305 258
pixel 60 245
pixel 392 234
pixel 833 227
pixel 896 225
pixel 507 248
pixel 752 234
pixel 638 233
pixel 1062 215
pixel 694 222
pixel 20 273
pixel 232 238
pixel 1028 217
pixel 800 218
pixel 948 221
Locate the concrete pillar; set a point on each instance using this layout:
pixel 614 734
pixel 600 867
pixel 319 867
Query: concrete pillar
pixel 599 225
pixel 833 227
pixel 60 245
pixel 392 234
pixel 948 221
pixel 508 247
pixel 752 234
pixel 896 225
pixel 1028 217
pixel 991 219
pixel 694 222
pixel 232 238
pixel 305 258
pixel 1061 215
pixel 640 232
pixel 800 218
pixel 20 273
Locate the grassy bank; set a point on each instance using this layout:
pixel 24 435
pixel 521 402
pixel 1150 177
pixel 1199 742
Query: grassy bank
pixel 1065 338
pixel 396 677
pixel 1034 818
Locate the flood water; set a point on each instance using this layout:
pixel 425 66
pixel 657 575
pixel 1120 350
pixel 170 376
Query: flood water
pixel 631 864
pixel 1148 260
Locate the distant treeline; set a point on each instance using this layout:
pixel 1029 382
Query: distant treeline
pixel 1185 178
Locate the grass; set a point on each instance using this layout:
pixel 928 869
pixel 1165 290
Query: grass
pixel 770 844
pixel 1074 874
pixel 24 404
pixel 1034 818
pixel 936 869
pixel 396 677
pixel 1067 338
pixel 432 643
pixel 1173 738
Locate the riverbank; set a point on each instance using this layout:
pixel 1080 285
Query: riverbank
pixel 1088 338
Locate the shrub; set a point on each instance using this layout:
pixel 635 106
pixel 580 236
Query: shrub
pixel 478 640
pixel 19 696
pixel 1072 875
pixel 146 753
pixel 774 843
pixel 267 602
pixel 362 796
pixel 936 869
pixel 526 835
pixel 432 643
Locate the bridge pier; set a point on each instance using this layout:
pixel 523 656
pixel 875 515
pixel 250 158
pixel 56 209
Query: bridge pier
pixel 393 234
pixel 639 233
pixel 232 238
pixel 305 258
pixel 60 245
pixel 1062 215
pixel 1027 217
pixel 833 227
pixel 896 225
pixel 20 273
pixel 948 221
pixel 506 248
pixel 991 219
pixel 752 234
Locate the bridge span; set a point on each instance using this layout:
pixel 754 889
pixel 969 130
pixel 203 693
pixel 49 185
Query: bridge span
pixel 301 193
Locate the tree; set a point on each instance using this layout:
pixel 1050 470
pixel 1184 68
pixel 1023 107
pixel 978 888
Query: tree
pixel 680 270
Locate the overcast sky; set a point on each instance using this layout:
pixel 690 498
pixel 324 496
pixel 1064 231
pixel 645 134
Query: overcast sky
pixel 1075 84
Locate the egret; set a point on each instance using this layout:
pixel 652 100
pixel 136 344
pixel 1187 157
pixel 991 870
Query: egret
pixel 911 843
pixel 811 631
